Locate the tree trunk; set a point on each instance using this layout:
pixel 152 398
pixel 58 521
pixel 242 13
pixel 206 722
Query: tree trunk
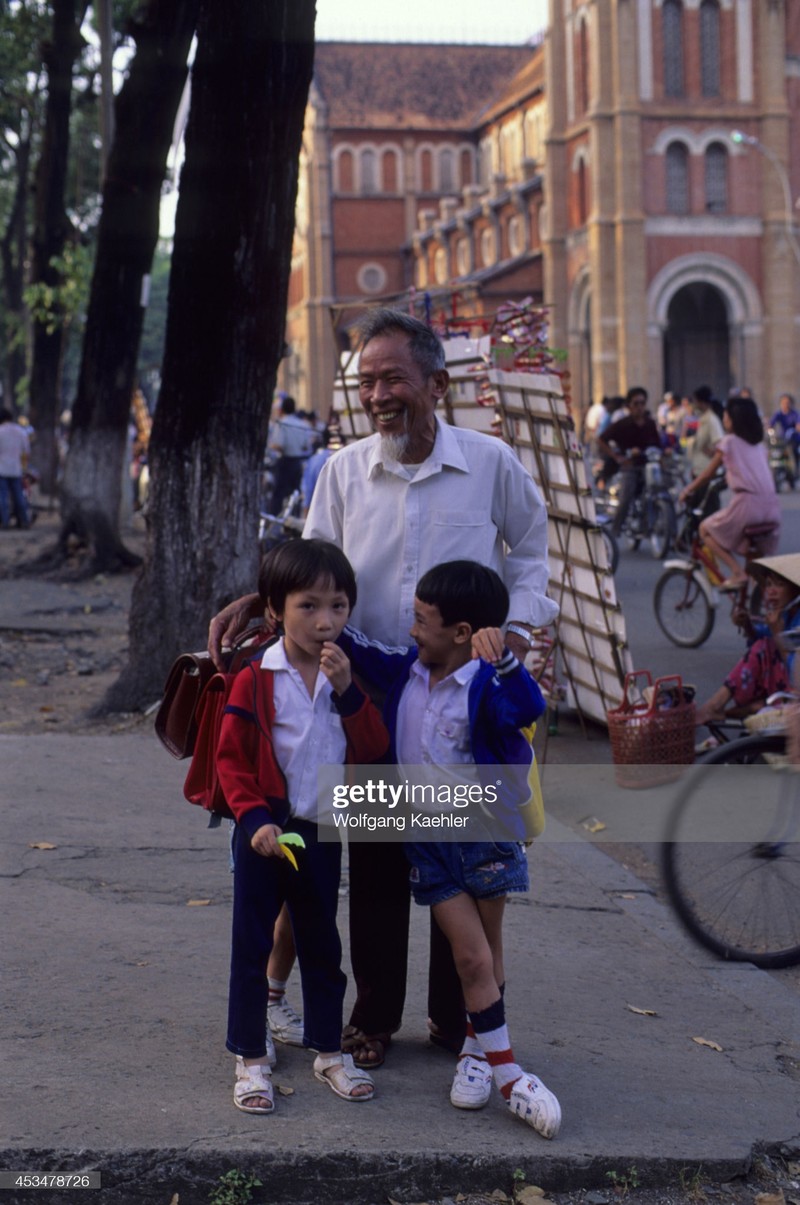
pixel 12 255
pixel 225 327
pixel 52 228
pixel 126 242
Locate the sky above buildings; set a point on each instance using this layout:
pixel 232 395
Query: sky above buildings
pixel 430 21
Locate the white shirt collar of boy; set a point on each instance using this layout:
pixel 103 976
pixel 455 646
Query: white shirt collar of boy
pixel 433 723
pixel 306 733
pixel 445 453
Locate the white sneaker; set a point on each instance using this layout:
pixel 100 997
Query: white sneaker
pixel 284 1023
pixel 537 1105
pixel 472 1084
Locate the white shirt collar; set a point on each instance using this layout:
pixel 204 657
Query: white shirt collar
pixel 445 452
pixel 464 674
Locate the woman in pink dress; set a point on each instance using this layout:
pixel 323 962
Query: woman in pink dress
pixel 743 454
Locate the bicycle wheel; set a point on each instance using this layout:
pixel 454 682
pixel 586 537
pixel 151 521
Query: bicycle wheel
pixel 731 860
pixel 662 530
pixel 682 609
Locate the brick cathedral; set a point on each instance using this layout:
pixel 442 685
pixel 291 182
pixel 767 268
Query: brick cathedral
pixel 636 169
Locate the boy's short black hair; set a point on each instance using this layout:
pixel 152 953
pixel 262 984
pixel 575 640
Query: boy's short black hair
pixel 465 592
pixel 298 565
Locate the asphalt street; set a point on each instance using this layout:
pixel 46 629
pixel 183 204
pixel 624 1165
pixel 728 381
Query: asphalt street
pixel 116 898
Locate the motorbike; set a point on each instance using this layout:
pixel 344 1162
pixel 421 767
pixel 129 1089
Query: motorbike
pixel 651 515
pixel 781 460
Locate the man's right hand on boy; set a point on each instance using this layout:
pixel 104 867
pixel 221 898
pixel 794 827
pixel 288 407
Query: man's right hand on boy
pixel 265 841
pixel 230 623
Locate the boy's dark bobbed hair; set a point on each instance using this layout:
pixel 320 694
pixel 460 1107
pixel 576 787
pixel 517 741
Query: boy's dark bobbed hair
pixel 465 592
pixel 298 565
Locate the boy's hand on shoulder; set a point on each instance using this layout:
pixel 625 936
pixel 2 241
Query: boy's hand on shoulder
pixel 488 643
pixel 335 665
pixel 265 841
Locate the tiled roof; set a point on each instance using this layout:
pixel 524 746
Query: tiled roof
pixel 527 82
pixel 386 85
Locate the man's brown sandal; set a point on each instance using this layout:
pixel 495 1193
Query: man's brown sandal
pixel 368 1050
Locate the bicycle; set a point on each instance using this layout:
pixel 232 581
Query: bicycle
pixel 287 525
pixel 731 853
pixel 686 594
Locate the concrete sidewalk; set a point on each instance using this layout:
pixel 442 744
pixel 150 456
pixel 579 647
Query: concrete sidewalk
pixel 115 958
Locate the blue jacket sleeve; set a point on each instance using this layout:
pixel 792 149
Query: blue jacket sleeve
pixel 380 664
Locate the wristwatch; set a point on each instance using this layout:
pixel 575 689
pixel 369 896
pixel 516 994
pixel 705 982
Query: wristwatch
pixel 520 631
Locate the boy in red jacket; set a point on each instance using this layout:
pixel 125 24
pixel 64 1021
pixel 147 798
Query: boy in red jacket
pixel 286 716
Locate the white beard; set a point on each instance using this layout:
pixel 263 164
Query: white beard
pixel 394 447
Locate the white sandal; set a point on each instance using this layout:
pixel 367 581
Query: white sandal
pixel 341 1075
pixel 252 1082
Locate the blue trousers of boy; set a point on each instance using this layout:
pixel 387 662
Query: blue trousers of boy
pixel 260 887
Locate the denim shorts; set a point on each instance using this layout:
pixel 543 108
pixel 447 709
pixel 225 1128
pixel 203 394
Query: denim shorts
pixel 484 870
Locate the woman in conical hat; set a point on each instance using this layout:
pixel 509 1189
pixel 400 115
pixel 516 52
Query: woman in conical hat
pixel 766 667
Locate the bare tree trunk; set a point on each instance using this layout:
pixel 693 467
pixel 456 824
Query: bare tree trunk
pixel 12 255
pixel 52 228
pixel 225 327
pixel 127 236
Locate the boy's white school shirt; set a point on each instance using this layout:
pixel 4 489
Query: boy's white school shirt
pixel 306 734
pixel 433 725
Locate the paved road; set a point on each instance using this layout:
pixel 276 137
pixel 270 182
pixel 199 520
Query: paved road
pixel 115 956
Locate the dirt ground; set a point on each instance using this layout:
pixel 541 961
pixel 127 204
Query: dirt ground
pixel 63 634
pixel 63 641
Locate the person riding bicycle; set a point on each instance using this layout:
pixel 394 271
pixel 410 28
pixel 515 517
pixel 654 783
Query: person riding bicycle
pixel 630 437
pixel 766 667
pixel 741 451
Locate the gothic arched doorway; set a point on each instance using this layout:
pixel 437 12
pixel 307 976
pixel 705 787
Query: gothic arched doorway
pixel 697 341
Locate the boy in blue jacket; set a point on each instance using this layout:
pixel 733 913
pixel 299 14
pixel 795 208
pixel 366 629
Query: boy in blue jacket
pixel 459 697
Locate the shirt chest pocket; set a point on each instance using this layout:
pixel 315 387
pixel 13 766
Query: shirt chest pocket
pixel 469 534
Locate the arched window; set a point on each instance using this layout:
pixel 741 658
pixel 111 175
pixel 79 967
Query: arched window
pixel 389 169
pixel 369 172
pixel 716 178
pixel 583 197
pixel 346 173
pixel 426 171
pixel 672 26
pixel 709 47
pixel 677 162
pixel 447 171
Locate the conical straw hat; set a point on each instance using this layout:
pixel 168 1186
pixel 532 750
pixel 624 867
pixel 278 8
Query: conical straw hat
pixel 787 566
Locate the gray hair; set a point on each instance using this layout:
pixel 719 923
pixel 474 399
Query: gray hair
pixel 426 347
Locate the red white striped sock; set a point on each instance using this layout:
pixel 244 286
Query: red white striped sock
pixel 471 1045
pixel 491 1032
pixel 277 990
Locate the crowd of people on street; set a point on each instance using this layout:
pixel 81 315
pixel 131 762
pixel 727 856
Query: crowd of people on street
pixel 713 438
pixel 298 445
